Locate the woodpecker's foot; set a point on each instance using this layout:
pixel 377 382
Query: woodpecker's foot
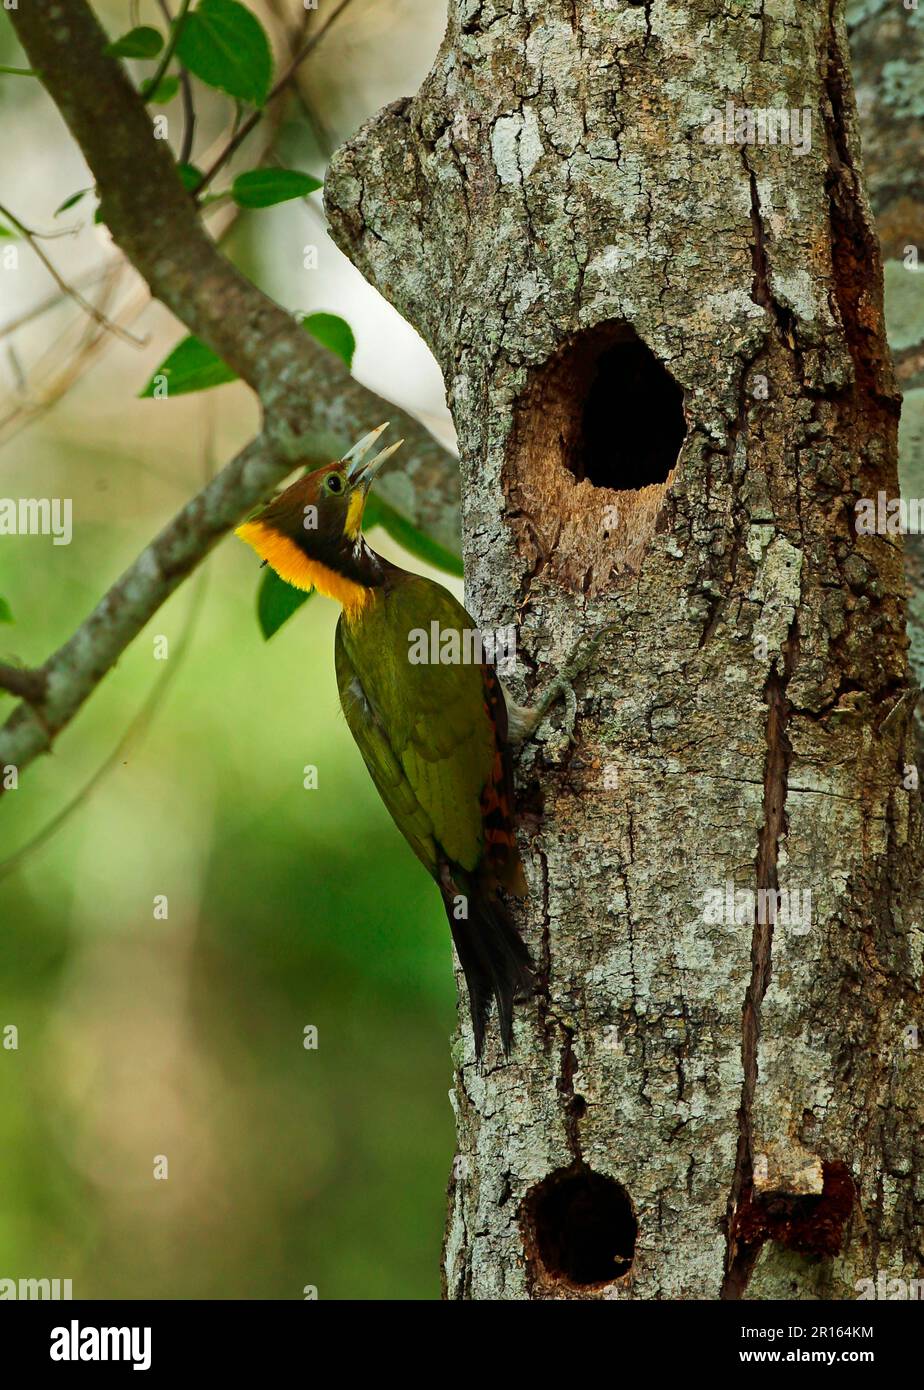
pixel 524 720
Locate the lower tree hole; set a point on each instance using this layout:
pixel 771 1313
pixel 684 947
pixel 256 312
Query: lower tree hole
pixel 580 1227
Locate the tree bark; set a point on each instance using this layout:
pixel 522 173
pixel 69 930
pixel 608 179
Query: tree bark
pixel 709 1096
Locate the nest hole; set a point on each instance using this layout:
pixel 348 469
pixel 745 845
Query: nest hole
pixel 630 426
pixel 601 416
pixel 580 1228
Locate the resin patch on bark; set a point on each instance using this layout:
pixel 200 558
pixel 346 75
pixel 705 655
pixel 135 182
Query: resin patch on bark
pixel 809 1225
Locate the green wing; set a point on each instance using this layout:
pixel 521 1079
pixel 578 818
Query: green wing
pixel 423 730
pixel 384 768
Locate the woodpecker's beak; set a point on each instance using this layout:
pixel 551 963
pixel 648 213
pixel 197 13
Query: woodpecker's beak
pixel 360 473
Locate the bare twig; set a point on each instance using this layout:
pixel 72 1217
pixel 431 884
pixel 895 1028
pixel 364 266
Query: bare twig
pixel 53 300
pixel 77 360
pixel 291 32
pixel 189 117
pixel 26 412
pixel 67 289
pixel 19 375
pixel 155 222
pixel 169 47
pixel 189 108
pixel 294 37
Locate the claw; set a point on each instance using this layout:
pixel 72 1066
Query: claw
pixel 525 721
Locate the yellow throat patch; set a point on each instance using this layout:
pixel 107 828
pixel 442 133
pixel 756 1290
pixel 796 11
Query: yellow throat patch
pixel 354 519
pixel 298 569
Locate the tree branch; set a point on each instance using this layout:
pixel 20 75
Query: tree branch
pixel 64 287
pixel 156 223
pixel 312 405
pixel 26 685
pixel 76 669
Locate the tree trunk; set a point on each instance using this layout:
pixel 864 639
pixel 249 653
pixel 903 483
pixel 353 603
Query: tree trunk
pixel 717 1090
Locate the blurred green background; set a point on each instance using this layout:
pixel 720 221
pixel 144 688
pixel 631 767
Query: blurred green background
pixel 287 907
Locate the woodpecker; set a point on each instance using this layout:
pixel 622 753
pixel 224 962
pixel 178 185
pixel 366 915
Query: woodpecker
pixel 435 738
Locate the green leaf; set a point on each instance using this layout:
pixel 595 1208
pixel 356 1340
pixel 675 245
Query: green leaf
pixel 262 188
pixel 165 90
pixel 18 72
pixel 190 177
pixel 226 46
pixel 276 602
pixel 332 332
pixel 7 231
pixel 143 42
pixel 191 366
pixel 6 612
pixel 381 513
pixel 72 201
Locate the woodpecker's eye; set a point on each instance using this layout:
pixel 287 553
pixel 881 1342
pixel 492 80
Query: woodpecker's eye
pixel 334 483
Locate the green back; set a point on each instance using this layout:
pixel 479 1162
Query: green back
pixel 423 729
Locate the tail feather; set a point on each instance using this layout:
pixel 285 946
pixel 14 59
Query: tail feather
pixel 495 961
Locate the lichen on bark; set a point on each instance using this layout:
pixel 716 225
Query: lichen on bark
pixel 737 1100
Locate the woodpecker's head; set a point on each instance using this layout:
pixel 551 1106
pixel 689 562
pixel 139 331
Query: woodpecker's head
pixel 311 534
